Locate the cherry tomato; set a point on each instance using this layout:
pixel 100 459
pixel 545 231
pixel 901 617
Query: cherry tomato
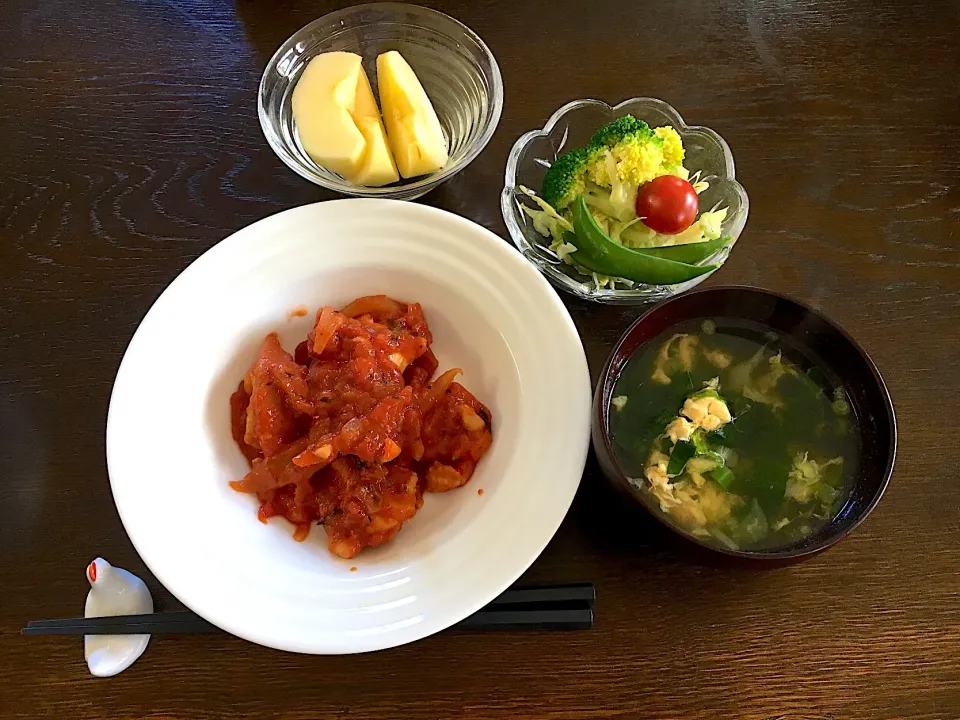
pixel 667 204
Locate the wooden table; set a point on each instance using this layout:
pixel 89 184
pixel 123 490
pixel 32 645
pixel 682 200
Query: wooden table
pixel 130 145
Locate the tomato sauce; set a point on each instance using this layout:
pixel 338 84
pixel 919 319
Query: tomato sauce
pixel 351 430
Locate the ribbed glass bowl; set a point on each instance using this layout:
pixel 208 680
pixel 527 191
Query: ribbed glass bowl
pixel 455 67
pixel 572 126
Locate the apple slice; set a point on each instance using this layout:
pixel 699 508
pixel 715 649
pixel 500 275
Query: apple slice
pixel 338 122
pixel 413 129
pixel 377 166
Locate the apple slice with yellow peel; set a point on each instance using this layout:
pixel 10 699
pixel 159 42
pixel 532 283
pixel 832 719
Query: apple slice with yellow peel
pixel 413 129
pixel 338 122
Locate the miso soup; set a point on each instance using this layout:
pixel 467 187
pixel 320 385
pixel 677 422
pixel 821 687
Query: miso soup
pixel 739 437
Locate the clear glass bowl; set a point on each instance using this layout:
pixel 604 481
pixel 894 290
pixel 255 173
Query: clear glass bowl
pixel 572 126
pixel 455 67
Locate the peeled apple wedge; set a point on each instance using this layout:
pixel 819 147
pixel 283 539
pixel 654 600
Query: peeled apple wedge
pixel 413 129
pixel 377 166
pixel 338 121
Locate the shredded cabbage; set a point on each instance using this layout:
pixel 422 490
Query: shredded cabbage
pixel 614 210
pixel 564 250
pixel 546 218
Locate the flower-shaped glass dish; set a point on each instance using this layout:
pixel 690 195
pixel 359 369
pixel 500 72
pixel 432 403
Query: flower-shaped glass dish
pixel 455 67
pixel 572 126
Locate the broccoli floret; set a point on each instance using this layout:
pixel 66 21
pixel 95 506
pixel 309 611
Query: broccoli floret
pixel 620 157
pixel 672 150
pixel 620 129
pixel 565 178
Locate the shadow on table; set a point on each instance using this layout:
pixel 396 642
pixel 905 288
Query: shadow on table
pixel 610 520
pixel 267 23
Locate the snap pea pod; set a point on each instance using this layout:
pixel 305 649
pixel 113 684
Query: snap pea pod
pixel 596 251
pixel 688 252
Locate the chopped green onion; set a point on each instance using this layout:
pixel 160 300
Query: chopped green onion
pixel 706 392
pixel 840 407
pixel 714 457
pixel 619 402
pixel 709 327
pixel 703 463
pixel 699 441
pixel 722 475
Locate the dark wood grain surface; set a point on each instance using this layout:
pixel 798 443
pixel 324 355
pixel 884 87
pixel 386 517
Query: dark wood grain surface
pixel 129 144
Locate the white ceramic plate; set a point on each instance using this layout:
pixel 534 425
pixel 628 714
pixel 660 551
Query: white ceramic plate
pixel 170 453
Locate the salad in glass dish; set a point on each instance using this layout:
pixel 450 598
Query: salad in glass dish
pixel 707 164
pixel 625 209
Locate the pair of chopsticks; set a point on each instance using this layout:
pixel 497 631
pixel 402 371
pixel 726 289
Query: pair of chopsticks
pixel 545 607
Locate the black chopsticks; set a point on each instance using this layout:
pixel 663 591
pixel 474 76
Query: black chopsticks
pixel 182 621
pixel 544 607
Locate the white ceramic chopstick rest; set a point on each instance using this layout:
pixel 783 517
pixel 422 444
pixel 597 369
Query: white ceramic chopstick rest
pixel 114 591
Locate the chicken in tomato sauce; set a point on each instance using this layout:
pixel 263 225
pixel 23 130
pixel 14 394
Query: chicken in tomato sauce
pixel 353 428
